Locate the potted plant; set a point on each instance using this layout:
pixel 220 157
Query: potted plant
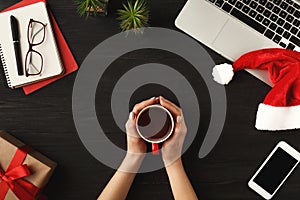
pixel 134 15
pixel 94 7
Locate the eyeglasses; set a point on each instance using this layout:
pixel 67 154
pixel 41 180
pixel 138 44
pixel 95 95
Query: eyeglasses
pixel 36 33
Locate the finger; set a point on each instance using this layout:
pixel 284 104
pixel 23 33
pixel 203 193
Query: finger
pixel 170 102
pixel 180 126
pixel 173 109
pixel 131 126
pixel 138 107
pixel 157 100
pixel 180 122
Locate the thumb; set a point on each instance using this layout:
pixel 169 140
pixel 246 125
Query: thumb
pixel 131 126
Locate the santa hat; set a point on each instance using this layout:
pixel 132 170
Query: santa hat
pixel 281 107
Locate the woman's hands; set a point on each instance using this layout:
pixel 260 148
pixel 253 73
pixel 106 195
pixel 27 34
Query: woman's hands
pixel 120 183
pixel 171 149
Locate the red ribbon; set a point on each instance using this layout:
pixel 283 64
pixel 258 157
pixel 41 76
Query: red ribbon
pixel 12 178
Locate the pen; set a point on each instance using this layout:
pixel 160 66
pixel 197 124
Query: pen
pixel 16 35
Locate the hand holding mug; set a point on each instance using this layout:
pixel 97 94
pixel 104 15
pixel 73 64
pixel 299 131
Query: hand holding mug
pixel 171 149
pixel 173 134
pixel 135 144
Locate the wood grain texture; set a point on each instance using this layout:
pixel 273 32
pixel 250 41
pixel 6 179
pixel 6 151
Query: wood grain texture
pixel 44 121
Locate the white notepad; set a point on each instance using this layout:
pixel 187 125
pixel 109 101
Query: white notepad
pixel 52 63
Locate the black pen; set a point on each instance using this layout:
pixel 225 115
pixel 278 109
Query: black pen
pixel 16 35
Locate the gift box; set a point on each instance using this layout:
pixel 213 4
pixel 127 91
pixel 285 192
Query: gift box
pixel 23 171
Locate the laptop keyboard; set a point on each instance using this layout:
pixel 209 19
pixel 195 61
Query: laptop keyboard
pixel 278 20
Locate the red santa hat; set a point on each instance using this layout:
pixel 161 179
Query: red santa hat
pixel 281 107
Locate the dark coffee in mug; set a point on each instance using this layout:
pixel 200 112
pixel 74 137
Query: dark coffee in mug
pixel 155 123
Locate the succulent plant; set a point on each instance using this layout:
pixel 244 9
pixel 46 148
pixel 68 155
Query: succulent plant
pixel 134 15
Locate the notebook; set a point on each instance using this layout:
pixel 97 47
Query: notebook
pixel 52 62
pixel 67 57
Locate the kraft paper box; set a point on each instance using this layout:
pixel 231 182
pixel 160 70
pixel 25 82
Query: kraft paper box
pixel 40 167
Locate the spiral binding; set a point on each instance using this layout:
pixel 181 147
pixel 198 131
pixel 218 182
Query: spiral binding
pixel 4 67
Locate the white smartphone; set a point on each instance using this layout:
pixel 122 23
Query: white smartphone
pixel 275 170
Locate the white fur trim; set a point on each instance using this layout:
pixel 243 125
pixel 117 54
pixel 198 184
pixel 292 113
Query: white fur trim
pixel 223 73
pixel 277 118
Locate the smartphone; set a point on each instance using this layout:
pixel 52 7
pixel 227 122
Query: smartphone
pixel 275 170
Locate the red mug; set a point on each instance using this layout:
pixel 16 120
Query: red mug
pixel 155 125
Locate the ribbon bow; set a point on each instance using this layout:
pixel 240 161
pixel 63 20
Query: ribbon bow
pixel 12 178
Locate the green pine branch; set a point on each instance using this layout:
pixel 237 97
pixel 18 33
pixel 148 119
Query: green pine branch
pixel 84 6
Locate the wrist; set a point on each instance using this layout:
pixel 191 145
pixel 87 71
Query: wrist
pixel 176 165
pixel 171 158
pixel 132 162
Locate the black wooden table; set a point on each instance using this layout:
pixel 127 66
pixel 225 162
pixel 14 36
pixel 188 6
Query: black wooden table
pixel 44 121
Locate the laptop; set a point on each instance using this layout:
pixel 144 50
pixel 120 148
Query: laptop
pixel 234 27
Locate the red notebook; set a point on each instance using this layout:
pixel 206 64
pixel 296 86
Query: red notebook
pixel 66 55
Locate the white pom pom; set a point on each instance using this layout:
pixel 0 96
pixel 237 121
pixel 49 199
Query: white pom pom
pixel 223 73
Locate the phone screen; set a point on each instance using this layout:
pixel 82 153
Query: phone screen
pixel 275 170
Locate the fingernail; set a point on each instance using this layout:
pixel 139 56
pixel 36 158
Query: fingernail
pixel 131 115
pixel 179 118
pixel 153 98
